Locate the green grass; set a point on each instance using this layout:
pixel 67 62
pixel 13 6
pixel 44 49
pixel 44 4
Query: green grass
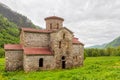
pixel 95 68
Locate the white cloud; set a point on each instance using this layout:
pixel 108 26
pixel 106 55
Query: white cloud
pixel 93 21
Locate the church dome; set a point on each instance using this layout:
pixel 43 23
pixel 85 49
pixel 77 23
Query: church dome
pixel 54 17
pixel 54 22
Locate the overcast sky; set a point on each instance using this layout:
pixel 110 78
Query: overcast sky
pixel 92 21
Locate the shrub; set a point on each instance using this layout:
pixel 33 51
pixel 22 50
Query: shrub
pixel 2 52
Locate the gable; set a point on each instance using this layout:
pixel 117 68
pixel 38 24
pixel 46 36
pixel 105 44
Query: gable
pixel 61 34
pixel 61 29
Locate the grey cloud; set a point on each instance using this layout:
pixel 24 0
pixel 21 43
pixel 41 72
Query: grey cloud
pixel 93 21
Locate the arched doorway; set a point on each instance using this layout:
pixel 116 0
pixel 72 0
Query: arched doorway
pixel 41 62
pixel 63 62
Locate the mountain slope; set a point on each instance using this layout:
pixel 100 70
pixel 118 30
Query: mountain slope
pixel 15 17
pixel 114 43
pixel 98 46
pixel 9 32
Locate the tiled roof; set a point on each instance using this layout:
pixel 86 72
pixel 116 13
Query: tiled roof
pixel 75 41
pixel 13 47
pixel 35 30
pixel 42 51
pixel 54 17
pixel 27 50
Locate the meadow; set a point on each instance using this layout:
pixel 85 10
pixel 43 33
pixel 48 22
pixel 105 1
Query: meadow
pixel 95 68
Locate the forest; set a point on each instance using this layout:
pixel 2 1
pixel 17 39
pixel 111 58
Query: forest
pixel 9 33
pixel 110 51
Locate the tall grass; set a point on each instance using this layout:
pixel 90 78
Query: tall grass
pixel 95 68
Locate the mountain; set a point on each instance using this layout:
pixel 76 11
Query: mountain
pixel 98 46
pixel 114 43
pixel 10 22
pixel 9 32
pixel 15 17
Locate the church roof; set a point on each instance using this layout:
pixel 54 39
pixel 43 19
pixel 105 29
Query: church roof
pixel 75 41
pixel 43 30
pixel 35 30
pixel 54 17
pixel 13 47
pixel 42 51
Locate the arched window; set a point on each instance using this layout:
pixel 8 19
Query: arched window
pixel 50 25
pixel 73 57
pixel 63 62
pixel 76 58
pixel 41 62
pixel 63 57
pixel 59 44
pixel 57 26
pixel 64 36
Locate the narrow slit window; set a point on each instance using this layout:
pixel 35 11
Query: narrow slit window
pixel 50 26
pixel 57 26
pixel 64 36
pixel 60 44
pixel 41 62
pixel 76 58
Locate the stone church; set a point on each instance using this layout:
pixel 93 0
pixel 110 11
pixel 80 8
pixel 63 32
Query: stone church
pixel 52 48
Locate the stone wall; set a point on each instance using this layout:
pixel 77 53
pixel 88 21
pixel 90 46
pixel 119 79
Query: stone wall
pixel 61 45
pixel 77 55
pixel 54 23
pixel 14 60
pixel 82 53
pixel 31 62
pixel 36 39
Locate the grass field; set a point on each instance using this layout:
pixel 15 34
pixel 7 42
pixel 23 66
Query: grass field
pixel 95 68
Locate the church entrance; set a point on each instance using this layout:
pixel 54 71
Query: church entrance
pixel 63 62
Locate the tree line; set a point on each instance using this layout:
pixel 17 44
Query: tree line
pixel 94 52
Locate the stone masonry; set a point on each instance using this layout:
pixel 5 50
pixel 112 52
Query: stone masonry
pixel 52 48
pixel 14 60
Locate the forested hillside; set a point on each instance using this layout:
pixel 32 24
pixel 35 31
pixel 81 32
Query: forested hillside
pixel 9 33
pixel 10 22
pixel 110 49
pixel 114 43
pixel 15 17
